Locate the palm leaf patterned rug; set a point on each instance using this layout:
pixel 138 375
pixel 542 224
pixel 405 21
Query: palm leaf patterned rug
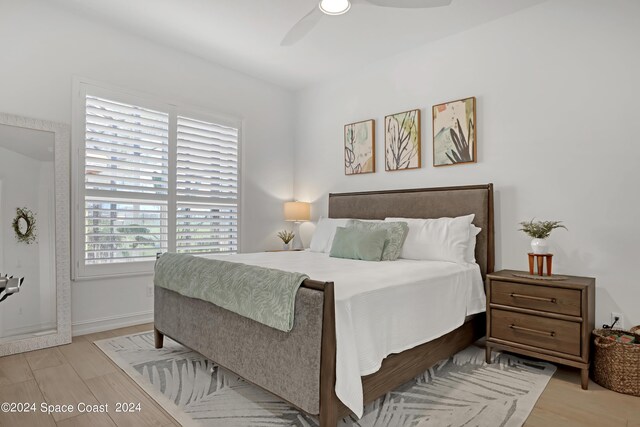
pixel 459 391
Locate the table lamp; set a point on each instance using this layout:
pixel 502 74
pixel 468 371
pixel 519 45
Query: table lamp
pixel 297 212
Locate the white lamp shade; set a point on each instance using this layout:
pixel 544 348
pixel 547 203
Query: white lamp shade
pixel 297 211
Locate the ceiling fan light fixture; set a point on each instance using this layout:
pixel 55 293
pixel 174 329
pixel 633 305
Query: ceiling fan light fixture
pixel 334 7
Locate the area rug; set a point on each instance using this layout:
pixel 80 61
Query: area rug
pixel 460 391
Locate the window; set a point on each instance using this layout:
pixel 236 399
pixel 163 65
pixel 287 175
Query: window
pixel 152 178
pixel 207 187
pixel 126 182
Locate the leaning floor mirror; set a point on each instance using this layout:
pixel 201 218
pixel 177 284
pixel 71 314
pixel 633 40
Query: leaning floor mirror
pixel 35 303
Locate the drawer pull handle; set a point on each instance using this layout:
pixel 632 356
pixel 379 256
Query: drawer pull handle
pixel 551 300
pixel 534 331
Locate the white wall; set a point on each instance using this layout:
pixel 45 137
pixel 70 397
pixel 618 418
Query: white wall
pixel 557 90
pixel 43 47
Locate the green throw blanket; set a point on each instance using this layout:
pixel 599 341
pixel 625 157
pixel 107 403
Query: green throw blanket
pixel 263 294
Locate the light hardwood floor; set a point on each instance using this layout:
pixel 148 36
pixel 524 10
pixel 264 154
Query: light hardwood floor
pixel 80 372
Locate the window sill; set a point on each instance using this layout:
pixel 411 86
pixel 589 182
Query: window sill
pixel 79 279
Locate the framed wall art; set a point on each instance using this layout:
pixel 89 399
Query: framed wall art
pixel 402 141
pixel 454 132
pixel 359 147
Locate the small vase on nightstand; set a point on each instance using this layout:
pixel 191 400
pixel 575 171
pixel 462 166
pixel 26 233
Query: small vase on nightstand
pixel 539 231
pixel 539 246
pixel 285 247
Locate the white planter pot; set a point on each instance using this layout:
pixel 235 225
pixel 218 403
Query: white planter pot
pixel 285 247
pixel 539 246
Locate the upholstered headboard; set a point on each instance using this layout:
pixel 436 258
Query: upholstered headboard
pixel 426 203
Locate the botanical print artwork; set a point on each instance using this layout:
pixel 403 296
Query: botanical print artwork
pixel 402 141
pixel 359 148
pixel 454 132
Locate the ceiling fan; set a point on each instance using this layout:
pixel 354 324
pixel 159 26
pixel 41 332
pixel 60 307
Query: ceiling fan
pixel 339 7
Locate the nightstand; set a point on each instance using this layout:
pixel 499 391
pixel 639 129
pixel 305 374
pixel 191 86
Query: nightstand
pixel 546 319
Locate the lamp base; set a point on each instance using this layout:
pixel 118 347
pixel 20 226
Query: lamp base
pixel 296 243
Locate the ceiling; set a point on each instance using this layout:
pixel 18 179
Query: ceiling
pixel 245 35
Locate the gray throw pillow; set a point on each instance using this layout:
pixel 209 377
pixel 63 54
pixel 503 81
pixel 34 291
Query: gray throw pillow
pixel 396 234
pixel 359 244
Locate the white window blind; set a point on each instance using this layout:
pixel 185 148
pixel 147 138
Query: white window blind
pixel 145 167
pixel 126 182
pixel 206 187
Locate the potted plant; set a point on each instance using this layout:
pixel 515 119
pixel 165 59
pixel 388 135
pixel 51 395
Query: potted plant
pixel 286 236
pixel 539 231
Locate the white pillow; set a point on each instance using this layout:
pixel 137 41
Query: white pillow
pixel 471 244
pixel 439 239
pixel 410 247
pixel 325 232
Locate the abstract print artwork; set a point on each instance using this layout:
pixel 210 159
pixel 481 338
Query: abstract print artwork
pixel 359 148
pixel 454 132
pixel 402 141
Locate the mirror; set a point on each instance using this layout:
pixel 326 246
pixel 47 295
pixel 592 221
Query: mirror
pixel 34 234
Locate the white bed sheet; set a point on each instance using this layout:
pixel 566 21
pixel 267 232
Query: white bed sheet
pixel 383 307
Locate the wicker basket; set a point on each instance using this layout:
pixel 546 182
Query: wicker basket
pixel 616 365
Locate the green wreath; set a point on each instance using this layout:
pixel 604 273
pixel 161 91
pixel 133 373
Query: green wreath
pixel 24 225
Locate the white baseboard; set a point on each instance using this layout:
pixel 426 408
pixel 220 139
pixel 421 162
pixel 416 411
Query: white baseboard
pixel 112 322
pixel 29 330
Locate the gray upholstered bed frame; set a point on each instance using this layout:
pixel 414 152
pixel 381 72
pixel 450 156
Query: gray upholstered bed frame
pixel 299 366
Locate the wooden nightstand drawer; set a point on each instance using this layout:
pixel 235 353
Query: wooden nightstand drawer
pixel 536 297
pixel 542 332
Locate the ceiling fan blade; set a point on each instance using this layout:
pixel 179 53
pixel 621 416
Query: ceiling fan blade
pixel 410 4
pixel 302 27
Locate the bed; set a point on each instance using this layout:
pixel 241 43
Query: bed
pixel 304 366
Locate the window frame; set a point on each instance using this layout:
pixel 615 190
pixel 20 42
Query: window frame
pixel 80 88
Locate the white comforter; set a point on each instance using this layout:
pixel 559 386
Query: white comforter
pixel 383 307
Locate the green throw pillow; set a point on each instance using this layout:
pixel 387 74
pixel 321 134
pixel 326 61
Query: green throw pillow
pixel 353 243
pixel 396 233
